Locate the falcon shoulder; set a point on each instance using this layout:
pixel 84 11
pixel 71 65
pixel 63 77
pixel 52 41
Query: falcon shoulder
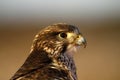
pixel 45 69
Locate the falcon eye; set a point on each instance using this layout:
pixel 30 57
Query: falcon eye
pixel 63 35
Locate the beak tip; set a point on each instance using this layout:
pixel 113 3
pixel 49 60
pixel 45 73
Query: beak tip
pixel 84 43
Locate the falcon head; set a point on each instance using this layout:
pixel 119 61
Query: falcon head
pixel 58 38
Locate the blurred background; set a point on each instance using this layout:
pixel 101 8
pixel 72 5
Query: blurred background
pixel 98 20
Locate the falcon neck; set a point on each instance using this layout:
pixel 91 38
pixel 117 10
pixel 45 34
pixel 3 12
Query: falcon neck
pixel 68 61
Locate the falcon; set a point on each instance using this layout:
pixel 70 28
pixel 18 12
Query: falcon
pixel 51 55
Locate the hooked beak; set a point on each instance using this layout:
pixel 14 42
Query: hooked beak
pixel 81 41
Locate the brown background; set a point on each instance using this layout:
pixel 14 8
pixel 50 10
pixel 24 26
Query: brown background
pixel 100 60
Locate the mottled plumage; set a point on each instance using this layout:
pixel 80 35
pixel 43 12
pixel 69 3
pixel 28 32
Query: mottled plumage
pixel 51 55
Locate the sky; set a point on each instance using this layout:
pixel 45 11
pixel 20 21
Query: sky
pixel 61 8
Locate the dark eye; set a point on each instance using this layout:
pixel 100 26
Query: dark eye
pixel 63 35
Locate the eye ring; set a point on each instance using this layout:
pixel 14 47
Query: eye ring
pixel 63 35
